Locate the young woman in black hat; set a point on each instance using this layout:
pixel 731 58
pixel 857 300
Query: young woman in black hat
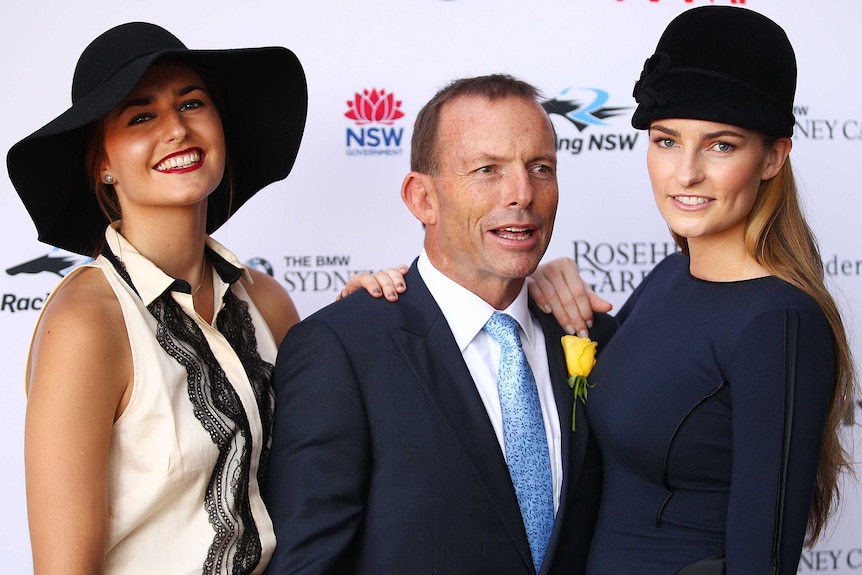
pixel 718 403
pixel 149 379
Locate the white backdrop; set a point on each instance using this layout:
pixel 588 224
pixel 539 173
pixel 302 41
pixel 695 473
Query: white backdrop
pixel 340 211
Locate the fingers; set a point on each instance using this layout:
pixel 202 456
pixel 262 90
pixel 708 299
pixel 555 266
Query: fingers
pixel 544 291
pixel 557 288
pixel 597 303
pixel 388 283
pixel 575 299
pixel 391 281
pixel 396 279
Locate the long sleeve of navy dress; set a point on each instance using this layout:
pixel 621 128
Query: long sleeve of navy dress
pixel 709 407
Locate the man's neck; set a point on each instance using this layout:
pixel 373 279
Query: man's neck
pixel 498 292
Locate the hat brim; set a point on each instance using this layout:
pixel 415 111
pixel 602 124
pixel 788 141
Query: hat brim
pixel 265 104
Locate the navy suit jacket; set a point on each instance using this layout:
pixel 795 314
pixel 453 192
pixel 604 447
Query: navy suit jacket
pixel 384 461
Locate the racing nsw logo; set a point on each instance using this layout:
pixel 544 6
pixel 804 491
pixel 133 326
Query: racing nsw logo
pixel 18 301
pixel 587 109
pixel 46 263
pixel 580 114
pixel 366 109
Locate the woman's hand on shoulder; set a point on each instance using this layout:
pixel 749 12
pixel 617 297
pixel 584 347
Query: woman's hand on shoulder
pixel 79 381
pixel 273 302
pixel 557 287
pixel 388 283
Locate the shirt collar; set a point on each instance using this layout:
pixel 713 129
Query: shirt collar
pixel 150 281
pixel 465 312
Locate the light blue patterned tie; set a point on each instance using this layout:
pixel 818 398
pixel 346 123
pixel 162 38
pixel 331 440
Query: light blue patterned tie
pixel 524 435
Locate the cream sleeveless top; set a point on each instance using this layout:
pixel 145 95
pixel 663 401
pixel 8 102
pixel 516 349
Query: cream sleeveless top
pixel 187 453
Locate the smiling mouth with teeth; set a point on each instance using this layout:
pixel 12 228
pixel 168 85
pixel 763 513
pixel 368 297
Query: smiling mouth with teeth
pixel 180 161
pixel 691 200
pixel 514 233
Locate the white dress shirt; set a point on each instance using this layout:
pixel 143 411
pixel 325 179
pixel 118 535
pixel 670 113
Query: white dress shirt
pixel 467 314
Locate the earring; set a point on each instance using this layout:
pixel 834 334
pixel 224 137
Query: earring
pixel 109 179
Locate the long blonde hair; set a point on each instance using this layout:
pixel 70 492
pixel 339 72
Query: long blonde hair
pixel 779 238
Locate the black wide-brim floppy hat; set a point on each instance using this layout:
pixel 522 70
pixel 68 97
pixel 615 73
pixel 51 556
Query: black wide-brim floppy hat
pixel 265 100
pixel 721 64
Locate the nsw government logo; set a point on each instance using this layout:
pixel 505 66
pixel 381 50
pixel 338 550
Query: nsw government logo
pixel 582 117
pixel 375 133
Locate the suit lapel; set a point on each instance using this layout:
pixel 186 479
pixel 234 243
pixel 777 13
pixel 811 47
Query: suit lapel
pixel 429 348
pixel 573 445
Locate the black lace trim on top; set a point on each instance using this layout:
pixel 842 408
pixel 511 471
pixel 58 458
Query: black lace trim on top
pixel 234 322
pixel 236 547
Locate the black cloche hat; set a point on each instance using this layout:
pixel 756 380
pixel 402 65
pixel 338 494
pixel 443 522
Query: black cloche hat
pixel 265 102
pixel 722 64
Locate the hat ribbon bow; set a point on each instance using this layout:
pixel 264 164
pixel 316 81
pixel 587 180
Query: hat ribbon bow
pixel 654 70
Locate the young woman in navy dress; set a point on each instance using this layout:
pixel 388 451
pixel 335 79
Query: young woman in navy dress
pixel 719 401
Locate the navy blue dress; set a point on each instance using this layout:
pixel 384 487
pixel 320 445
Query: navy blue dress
pixel 709 408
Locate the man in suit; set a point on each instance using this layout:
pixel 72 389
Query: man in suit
pixel 394 450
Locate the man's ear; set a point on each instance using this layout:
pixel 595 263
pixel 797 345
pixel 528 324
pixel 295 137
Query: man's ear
pixel 418 194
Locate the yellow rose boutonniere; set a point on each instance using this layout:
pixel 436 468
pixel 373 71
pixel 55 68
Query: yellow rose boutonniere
pixel 580 355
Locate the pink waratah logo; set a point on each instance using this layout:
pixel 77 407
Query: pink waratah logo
pixel 374 106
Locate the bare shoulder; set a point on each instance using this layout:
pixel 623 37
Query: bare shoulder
pixel 81 339
pixel 85 302
pixel 274 303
